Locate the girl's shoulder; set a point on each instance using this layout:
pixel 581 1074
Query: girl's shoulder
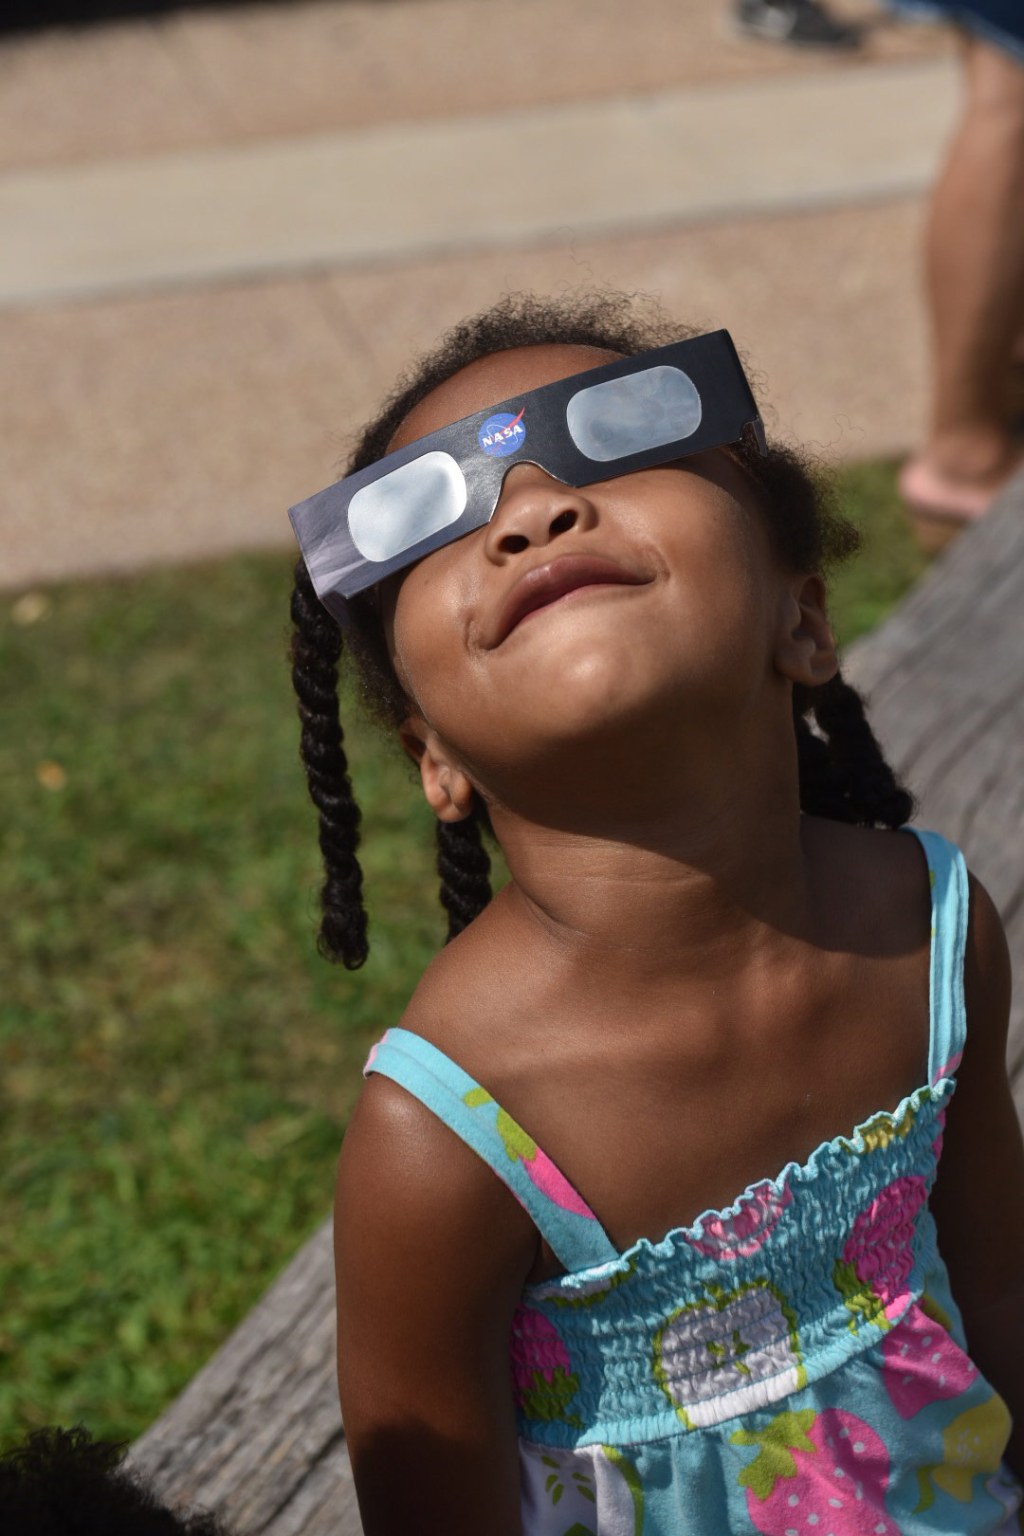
pixel 431 1255
pixel 480 996
pixel 923 875
pixel 404 1134
pixel 421 1198
pixel 868 851
pixel 876 880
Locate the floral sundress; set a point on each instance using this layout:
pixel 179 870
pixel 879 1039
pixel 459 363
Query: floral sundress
pixel 794 1365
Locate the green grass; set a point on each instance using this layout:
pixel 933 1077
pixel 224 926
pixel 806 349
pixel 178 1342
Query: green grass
pixel 889 561
pixel 176 1062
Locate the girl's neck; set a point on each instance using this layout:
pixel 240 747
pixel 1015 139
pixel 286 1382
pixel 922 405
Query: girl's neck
pixel 684 881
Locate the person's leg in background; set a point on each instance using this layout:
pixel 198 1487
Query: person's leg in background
pixel 975 292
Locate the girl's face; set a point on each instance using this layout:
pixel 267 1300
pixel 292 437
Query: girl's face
pixel 643 609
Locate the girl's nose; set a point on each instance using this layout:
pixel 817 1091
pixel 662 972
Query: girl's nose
pixel 532 510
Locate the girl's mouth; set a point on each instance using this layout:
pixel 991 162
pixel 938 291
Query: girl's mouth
pixel 546 584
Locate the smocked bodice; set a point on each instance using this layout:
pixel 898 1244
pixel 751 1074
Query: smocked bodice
pixel 746 1306
pixel 793 1365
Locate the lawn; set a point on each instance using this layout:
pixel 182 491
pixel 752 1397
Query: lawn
pixel 176 1062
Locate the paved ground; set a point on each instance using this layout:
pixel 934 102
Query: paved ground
pixel 226 231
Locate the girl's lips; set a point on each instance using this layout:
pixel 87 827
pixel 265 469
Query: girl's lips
pixel 545 584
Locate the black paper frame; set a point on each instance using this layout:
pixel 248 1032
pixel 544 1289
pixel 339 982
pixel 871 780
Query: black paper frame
pixel 339 571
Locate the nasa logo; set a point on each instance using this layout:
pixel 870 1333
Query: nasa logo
pixel 502 434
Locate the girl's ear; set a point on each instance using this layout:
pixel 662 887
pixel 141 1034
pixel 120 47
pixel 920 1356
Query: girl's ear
pixel 448 791
pixel 805 648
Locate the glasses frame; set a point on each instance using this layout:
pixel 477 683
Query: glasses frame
pixel 339 571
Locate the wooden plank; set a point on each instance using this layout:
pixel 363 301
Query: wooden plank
pixel 944 678
pixel 257 1435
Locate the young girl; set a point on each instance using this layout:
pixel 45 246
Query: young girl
pixel 638 1228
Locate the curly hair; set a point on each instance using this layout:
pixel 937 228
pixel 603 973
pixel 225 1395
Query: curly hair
pixel 62 1482
pixel 843 774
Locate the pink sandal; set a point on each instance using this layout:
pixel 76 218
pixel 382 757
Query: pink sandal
pixel 940 509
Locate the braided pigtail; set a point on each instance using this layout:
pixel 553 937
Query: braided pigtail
pixel 820 794
pixel 464 866
pixel 843 774
pixel 316 649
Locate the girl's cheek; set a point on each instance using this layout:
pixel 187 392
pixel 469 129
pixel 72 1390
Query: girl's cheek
pixel 420 650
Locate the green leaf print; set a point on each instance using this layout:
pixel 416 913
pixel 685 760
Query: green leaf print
pixel 514 1139
pixel 475 1097
pixel 786 1433
pixel 580 1530
pixel 878 1133
pixel 926 1490
pixel 721 1356
pixel 583 1487
pixel 548 1399
pixel 517 1143
pixel 554 1487
pixel 860 1301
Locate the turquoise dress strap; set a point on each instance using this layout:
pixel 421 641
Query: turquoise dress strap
pixel 947 873
pixel 562 1217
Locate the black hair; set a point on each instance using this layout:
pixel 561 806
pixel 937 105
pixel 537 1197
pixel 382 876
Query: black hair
pixel 62 1482
pixel 843 774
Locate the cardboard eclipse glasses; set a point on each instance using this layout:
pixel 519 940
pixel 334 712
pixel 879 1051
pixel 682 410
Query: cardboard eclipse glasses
pixel 609 421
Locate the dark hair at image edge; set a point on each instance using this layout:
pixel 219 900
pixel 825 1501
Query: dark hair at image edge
pixel 62 1482
pixel 843 774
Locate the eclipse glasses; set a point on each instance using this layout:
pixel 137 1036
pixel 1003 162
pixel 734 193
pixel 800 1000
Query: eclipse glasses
pixel 627 415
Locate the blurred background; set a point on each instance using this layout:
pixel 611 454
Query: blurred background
pixel 225 229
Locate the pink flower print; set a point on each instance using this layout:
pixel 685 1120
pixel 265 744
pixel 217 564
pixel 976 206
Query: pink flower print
pixel 540 1168
pixel 873 1272
pixel 820 1473
pixel 923 1364
pixel 739 1235
pixel 948 1068
pixel 543 1380
pixel 519 1147
pixel 937 1143
pixel 540 1348
pixel 555 1185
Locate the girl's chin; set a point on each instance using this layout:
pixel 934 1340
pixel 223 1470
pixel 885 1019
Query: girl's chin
pixel 565 740
pixel 599 670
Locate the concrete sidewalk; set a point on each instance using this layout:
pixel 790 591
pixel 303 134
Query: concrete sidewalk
pixel 226 232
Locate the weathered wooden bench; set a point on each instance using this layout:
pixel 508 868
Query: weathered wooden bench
pixel 257 1435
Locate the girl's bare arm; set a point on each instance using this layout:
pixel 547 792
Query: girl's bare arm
pixel 978 1199
pixel 431 1254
